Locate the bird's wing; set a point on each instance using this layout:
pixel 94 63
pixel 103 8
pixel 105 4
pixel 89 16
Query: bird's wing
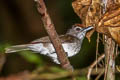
pixel 42 40
pixel 68 39
pixel 63 38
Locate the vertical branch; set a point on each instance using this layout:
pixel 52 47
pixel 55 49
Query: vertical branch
pixel 49 26
pixel 109 59
pixel 109 50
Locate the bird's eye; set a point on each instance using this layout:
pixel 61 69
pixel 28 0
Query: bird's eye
pixel 77 29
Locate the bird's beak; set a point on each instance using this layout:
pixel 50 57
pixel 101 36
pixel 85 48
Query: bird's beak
pixel 87 28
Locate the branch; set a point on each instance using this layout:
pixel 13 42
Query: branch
pixel 50 28
pixel 38 75
pixel 109 50
pixel 96 62
pixel 64 74
pixel 110 59
pixel 41 74
pixel 101 73
pixel 93 65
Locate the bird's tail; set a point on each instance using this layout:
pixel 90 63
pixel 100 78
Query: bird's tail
pixel 16 48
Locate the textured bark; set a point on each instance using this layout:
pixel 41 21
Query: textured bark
pixel 109 50
pixel 50 28
pixel 109 59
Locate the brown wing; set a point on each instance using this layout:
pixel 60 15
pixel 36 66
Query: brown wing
pixel 63 38
pixel 68 38
pixel 42 40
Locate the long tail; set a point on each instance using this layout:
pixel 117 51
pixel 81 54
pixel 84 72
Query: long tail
pixel 16 48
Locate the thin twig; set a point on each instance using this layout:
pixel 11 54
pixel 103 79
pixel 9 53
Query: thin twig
pixel 101 73
pixel 118 68
pixel 50 28
pixel 116 49
pixel 93 64
pixel 97 44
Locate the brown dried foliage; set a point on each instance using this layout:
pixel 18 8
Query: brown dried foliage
pixel 90 12
pixel 109 24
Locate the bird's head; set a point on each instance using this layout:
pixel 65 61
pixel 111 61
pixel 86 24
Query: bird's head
pixel 78 31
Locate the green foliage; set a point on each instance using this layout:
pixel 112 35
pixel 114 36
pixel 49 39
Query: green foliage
pixel 3 46
pixel 81 78
pixel 32 57
pixel 56 69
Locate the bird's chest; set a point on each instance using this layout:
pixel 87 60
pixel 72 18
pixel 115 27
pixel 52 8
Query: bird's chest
pixel 71 49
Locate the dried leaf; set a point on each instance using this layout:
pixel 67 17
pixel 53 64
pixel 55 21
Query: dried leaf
pixel 117 1
pixel 115 33
pixel 81 7
pixel 89 12
pixel 109 24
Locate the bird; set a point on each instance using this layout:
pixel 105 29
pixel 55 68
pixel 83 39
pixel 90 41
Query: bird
pixel 71 43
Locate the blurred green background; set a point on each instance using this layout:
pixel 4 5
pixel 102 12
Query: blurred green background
pixel 20 23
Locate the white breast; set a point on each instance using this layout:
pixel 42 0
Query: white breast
pixel 71 49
